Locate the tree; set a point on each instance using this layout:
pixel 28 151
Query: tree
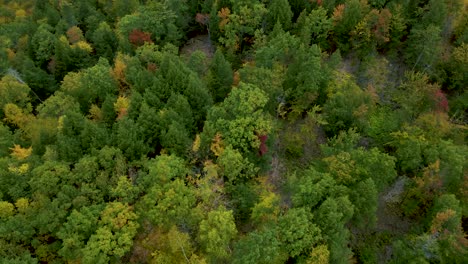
pixel 331 217
pixel 314 27
pixel 372 32
pixel 114 235
pixel 260 247
pixel 127 137
pixel 216 233
pixel 199 99
pixel 42 44
pixel 436 13
pixel 346 17
pixel 364 198
pixel 165 168
pixel 447 225
pixel 169 203
pixel 48 178
pixel 180 107
pixel 14 92
pixel 296 232
pixel 279 11
pixel 457 67
pixel 220 77
pixel 239 119
pixel 398 25
pixel 416 94
pixel 313 188
pixel 198 63
pixel 305 78
pixel 235 167
pixel 269 80
pixel 240 24
pixel 6 141
pixel 347 105
pixel 74 233
pixel 423 48
pixel 57 105
pixel 118 9
pixel 91 85
pixel 320 255
pixel 177 247
pixel 175 138
pixel 155 18
pixel 105 41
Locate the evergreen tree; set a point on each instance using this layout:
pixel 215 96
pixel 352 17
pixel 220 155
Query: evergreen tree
pixel 279 11
pixel 220 77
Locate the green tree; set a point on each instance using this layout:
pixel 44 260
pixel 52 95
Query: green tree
pixel 364 198
pixel 458 68
pixel 175 138
pixel 42 44
pixel 180 106
pixel 118 9
pixel 269 80
pixel 6 141
pixel 235 167
pixel 398 24
pixel 346 17
pixel 423 48
pixel 296 231
pixel 68 143
pixel 314 27
pixel 279 11
pixel 91 85
pixel 169 203
pixel 435 13
pixel 127 137
pixel 305 77
pixel 415 95
pixel 48 178
pixel 259 247
pixel 147 122
pixel 239 119
pixel 75 232
pixel 197 62
pixel 216 233
pixel 57 105
pixel 105 41
pixel 177 248
pixel 347 105
pixel 114 234
pixel 331 217
pixel 242 22
pixel 220 77
pixel 165 168
pixel 15 92
pixel 155 18
pixel 313 188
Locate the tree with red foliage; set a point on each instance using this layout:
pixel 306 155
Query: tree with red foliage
pixel 138 37
pixel 263 149
pixel 441 101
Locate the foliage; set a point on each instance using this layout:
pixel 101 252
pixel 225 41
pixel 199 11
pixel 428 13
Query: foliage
pixel 216 232
pixel 292 132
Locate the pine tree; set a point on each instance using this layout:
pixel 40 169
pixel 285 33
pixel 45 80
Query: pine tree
pixel 220 77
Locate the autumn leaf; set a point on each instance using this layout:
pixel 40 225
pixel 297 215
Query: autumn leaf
pixel 20 153
pixel 224 15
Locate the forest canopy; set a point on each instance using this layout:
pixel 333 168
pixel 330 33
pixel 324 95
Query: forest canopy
pixel 233 131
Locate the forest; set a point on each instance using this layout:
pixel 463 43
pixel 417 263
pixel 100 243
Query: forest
pixel 233 131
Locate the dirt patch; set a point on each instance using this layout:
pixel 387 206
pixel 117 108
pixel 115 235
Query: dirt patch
pixel 201 43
